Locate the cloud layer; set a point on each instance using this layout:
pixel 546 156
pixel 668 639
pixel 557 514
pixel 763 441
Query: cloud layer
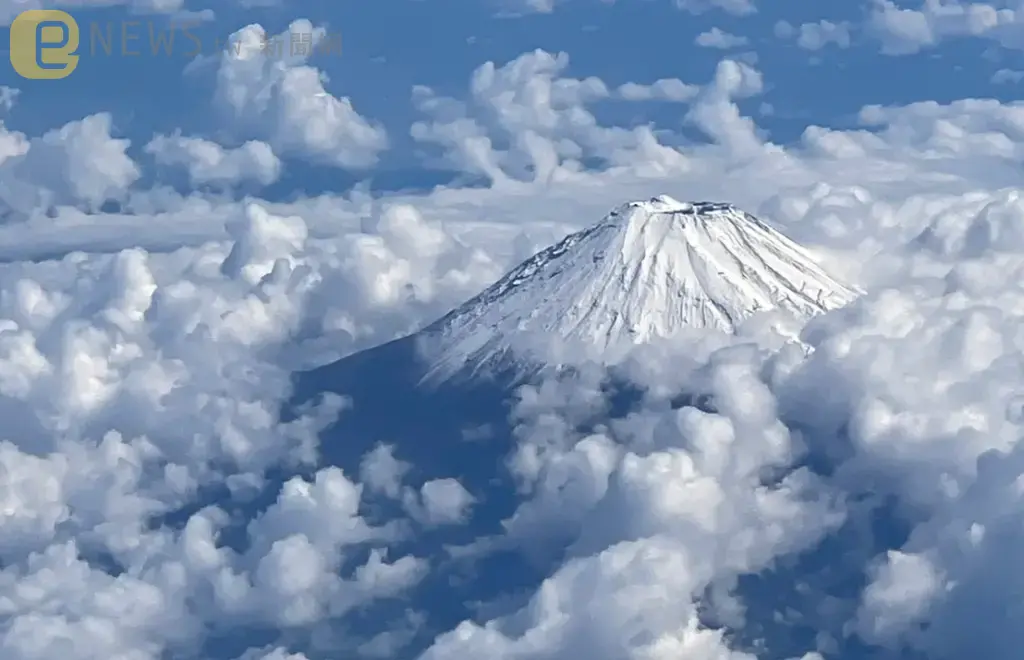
pixel 859 495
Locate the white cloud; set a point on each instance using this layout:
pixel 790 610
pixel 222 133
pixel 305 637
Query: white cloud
pixel 207 162
pixel 440 502
pixel 8 95
pixel 904 31
pixel 717 38
pixel 262 243
pixel 12 145
pixel 274 654
pixel 815 36
pixel 525 121
pixel 930 249
pixel 149 363
pixel 80 163
pixel 299 545
pixel 666 89
pixel 272 95
pixel 899 594
pixel 1007 77
pixel 9 9
pixel 735 7
pixel 381 472
pixel 128 382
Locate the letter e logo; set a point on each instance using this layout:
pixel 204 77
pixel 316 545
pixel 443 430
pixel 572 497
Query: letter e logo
pixel 43 44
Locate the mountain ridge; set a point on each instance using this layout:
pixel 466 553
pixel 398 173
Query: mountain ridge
pixel 649 269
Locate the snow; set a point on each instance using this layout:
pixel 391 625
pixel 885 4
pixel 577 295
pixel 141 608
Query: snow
pixel 649 269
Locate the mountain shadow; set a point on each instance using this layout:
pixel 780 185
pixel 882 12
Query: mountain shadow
pixel 460 428
pixel 444 431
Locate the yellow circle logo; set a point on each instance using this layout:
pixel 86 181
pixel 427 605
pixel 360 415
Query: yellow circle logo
pixel 43 44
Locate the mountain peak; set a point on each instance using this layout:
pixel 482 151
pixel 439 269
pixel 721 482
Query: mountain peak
pixel 662 204
pixel 667 204
pixel 648 269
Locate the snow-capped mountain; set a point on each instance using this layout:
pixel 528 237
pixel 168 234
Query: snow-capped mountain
pixel 648 269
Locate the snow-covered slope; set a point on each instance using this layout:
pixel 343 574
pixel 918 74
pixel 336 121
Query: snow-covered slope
pixel 648 269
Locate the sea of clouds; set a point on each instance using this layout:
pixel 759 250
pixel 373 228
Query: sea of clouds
pixel 860 500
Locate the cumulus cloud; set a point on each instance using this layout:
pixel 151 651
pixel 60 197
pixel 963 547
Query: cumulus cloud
pixel 931 248
pixel 903 31
pixel 666 89
pixel 815 36
pixel 80 163
pixel 269 93
pixel 9 9
pixel 440 502
pixel 8 95
pixel 207 162
pixel 1007 77
pixel 717 38
pixel 131 383
pixel 526 122
pixel 863 486
pixel 735 7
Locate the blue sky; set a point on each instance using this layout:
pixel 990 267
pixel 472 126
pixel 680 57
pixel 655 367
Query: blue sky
pixel 180 239
pixel 386 52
